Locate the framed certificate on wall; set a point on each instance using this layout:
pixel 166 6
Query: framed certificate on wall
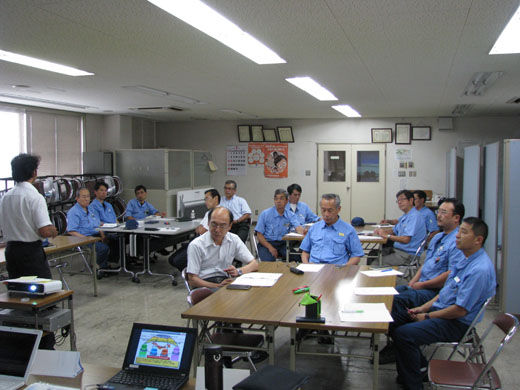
pixel 257 134
pixel 244 134
pixel 285 134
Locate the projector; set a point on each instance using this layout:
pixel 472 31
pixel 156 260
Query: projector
pixel 33 286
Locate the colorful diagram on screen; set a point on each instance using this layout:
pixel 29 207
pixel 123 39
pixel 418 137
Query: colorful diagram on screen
pixel 160 349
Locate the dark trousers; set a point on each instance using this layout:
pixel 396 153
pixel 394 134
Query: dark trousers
pixel 29 259
pixel 408 298
pixel 241 229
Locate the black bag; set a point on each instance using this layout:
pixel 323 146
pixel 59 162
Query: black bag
pixel 179 258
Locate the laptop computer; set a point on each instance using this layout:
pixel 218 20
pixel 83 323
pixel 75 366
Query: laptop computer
pixel 18 347
pixel 157 356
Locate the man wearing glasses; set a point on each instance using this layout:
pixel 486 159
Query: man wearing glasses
pixel 210 256
pixel 406 235
pixel 239 208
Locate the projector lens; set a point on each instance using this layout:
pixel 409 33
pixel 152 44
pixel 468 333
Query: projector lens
pixel 32 287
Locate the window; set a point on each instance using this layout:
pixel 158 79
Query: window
pixel 11 134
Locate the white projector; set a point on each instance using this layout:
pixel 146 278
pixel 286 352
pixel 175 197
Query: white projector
pixel 36 286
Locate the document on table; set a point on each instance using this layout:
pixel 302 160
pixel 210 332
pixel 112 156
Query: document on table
pixel 365 312
pixel 168 229
pixel 369 238
pixel 310 267
pixel 375 291
pixel 57 363
pixel 383 226
pixel 294 234
pixel 365 233
pixel 109 225
pixel 258 279
pixel 379 273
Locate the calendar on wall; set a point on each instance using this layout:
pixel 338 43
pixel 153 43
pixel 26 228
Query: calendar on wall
pixel 236 160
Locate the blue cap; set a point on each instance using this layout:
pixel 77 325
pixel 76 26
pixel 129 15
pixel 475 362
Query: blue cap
pixel 358 221
pixel 131 224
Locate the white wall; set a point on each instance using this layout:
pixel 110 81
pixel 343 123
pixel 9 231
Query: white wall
pixel 429 156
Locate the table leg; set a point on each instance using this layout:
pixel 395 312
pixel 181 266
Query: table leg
pixel 270 336
pixel 292 351
pixel 94 267
pixel 72 328
pixel 196 355
pixel 287 251
pixel 380 255
pixel 375 379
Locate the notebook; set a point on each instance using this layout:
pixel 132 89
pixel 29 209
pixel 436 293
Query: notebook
pixel 157 356
pixel 18 347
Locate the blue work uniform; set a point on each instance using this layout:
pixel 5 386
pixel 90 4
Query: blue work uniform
pixel 429 219
pixel 471 282
pixel 85 222
pixel 139 211
pixel 103 211
pixel 334 244
pixel 302 212
pixel 237 205
pixel 273 227
pixel 412 225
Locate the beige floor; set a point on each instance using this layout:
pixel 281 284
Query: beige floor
pixel 103 325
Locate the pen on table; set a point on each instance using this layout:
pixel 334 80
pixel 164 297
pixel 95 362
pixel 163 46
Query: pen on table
pixel 352 311
pixel 387 270
pixel 319 297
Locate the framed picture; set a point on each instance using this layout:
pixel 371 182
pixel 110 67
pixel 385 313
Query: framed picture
pixel 244 134
pixel 285 134
pixel 270 135
pixel 422 133
pixel 403 133
pixel 257 134
pixel 382 136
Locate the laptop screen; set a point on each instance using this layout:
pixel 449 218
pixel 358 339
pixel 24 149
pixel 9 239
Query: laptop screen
pixel 15 352
pixel 159 347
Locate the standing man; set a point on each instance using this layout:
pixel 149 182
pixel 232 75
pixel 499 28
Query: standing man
pixel 105 213
pixel 239 208
pixel 139 208
pixel 272 225
pixel 300 209
pixel 82 223
pixel 25 221
pixel 406 235
pixel 441 257
pixel 331 240
pixel 447 316
pixel 210 256
pixel 419 199
pixel 212 200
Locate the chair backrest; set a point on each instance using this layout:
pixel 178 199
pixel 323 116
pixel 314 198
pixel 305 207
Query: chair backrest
pixel 185 278
pixel 508 324
pixel 198 294
pixel 254 243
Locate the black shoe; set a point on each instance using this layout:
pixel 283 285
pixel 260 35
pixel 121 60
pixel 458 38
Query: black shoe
pixel 325 338
pixel 259 356
pixel 400 381
pixel 387 354
pixel 163 252
pixel 301 334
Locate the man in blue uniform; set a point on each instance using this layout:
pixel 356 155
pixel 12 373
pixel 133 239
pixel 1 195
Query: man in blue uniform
pixel 331 240
pixel 273 224
pixel 81 223
pixel 300 209
pixel 239 208
pixel 446 317
pixel 441 257
pixel 406 235
pixel 106 214
pixel 419 199
pixel 139 208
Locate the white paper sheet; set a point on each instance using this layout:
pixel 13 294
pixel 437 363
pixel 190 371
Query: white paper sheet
pixel 310 267
pixel 294 234
pixel 375 291
pixel 365 233
pixel 383 226
pixel 109 225
pixel 57 363
pixel 168 229
pixel 365 312
pixel 369 238
pixel 258 279
pixel 381 273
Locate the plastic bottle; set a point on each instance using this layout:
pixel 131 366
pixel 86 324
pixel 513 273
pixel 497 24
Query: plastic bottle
pixel 192 214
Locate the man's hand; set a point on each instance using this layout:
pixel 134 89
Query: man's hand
pixel 231 271
pixel 420 317
pixel 415 311
pixel 225 282
pixel 273 251
pixel 417 286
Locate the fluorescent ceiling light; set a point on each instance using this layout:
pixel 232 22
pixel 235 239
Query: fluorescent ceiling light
pixel 47 101
pixel 480 82
pixel 346 110
pixel 210 22
pixel 312 88
pixel 509 40
pixel 41 64
pixel 157 92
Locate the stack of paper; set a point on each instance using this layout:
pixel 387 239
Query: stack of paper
pixel 365 312
pixel 310 267
pixel 258 279
pixel 57 363
pixel 379 273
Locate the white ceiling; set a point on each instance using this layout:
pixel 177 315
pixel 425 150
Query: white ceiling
pixel 386 58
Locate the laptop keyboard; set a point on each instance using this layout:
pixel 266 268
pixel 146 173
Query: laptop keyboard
pixel 146 380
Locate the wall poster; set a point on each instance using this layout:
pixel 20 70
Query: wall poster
pixel 273 156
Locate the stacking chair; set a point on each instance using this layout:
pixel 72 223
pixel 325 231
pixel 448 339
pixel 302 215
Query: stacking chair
pixel 468 375
pixel 185 279
pixel 469 346
pixel 411 269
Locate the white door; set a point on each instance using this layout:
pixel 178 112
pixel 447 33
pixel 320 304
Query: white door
pixel 356 172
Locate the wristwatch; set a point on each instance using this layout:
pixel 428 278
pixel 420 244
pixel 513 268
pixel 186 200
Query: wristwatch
pixel 388 237
pixel 240 272
pixel 427 316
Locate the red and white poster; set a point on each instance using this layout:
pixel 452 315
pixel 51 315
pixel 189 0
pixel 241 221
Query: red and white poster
pixel 274 158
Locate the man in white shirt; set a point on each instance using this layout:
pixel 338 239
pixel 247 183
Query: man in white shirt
pixel 210 255
pixel 25 221
pixel 240 209
pixel 212 200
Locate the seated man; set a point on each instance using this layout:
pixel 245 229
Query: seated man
pixel 446 317
pixel 441 257
pixel 81 223
pixel 272 225
pixel 210 256
pixel 239 208
pixel 406 235
pixel 212 200
pixel 300 209
pixel 331 240
pixel 139 208
pixel 419 199
pixel 105 213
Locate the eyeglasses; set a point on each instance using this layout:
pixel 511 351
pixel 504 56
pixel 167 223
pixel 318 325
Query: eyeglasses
pixel 220 226
pixel 443 212
pixel 400 200
pixel 229 188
